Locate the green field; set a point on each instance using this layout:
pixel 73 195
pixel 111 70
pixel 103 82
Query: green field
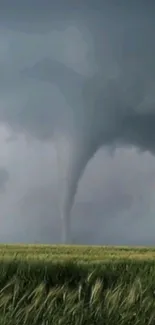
pixel 43 284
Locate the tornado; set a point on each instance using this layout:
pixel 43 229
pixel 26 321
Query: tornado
pixel 79 157
pixel 79 153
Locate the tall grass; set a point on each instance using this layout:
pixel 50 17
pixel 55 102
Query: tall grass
pixel 89 303
pixel 55 292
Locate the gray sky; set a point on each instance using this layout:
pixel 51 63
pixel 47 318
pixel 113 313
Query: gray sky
pixel 115 202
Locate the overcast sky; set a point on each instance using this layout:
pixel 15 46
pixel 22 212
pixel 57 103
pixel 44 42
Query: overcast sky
pixel 115 202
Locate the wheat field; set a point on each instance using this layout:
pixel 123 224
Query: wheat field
pixel 79 253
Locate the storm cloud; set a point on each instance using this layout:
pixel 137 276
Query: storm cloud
pixel 86 85
pixel 114 106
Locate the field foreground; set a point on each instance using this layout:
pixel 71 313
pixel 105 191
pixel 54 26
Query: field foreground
pixel 69 285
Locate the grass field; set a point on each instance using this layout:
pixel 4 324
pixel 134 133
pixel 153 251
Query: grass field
pixel 43 284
